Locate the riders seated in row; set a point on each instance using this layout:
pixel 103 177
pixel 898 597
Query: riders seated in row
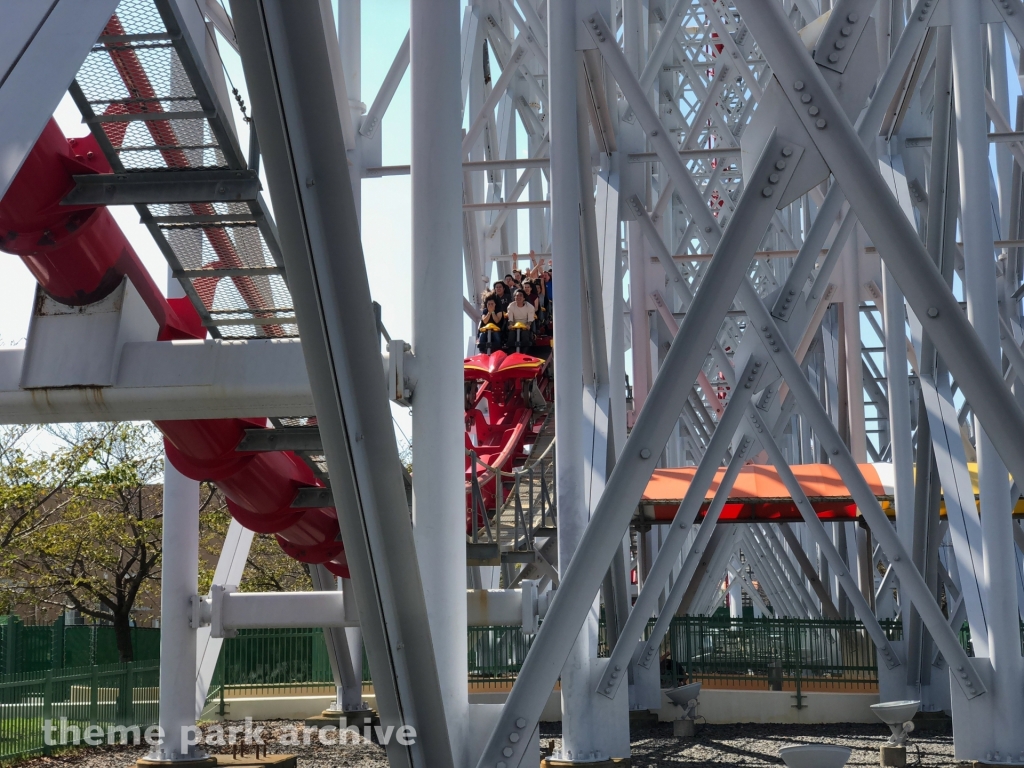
pixel 515 325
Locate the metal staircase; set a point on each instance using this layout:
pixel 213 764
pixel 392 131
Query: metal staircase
pixel 522 527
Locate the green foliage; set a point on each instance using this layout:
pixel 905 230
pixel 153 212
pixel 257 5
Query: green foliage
pixel 85 521
pixel 34 490
pixel 81 525
pixel 267 569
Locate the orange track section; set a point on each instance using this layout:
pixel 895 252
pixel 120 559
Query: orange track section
pixel 760 494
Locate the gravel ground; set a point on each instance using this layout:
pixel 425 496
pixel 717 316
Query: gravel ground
pixel 758 745
pixel 653 747
pixel 315 755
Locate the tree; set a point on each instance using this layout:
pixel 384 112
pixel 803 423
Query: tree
pixel 100 553
pixel 267 568
pixel 33 487
pixel 82 525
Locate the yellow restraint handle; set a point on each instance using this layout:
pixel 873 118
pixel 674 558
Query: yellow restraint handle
pixel 520 327
pixel 489 327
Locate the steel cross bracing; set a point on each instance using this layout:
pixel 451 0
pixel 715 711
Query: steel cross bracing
pixel 803 257
pixel 756 199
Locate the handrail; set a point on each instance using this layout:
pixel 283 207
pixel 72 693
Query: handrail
pixel 522 532
pixel 514 470
pixel 511 444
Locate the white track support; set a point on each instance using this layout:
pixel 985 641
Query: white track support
pixel 578 717
pixel 1000 565
pixel 346 661
pixel 42 45
pixel 438 492
pixel 179 582
pixel 230 566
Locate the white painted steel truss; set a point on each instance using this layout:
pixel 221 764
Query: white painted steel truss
pixel 767 215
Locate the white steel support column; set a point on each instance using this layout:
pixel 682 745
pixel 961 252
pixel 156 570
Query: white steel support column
pixel 577 719
pixel 639 320
pixel 1000 92
pixel 854 364
pixel 437 413
pixel 350 45
pixel 179 582
pixel 735 598
pixel 354 635
pixel 999 570
pixel 350 42
pixel 855 396
pixel 899 408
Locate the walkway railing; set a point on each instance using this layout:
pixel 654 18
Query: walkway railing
pixel 527 492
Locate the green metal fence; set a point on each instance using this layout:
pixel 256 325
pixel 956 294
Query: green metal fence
pixel 779 654
pixel 27 648
pixel 785 654
pixel 268 662
pixel 717 650
pixel 271 656
pixel 496 654
pixel 104 697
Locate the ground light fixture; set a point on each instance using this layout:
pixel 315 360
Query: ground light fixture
pixel 684 696
pixel 899 716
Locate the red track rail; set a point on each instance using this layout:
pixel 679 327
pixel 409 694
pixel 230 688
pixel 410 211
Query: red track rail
pixel 508 426
pixel 79 255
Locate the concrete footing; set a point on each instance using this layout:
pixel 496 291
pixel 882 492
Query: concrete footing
pixel 342 719
pixel 716 707
pixel 892 757
pixel 615 762
pixel 199 762
pixel 684 729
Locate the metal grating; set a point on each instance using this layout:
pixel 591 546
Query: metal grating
pixel 149 101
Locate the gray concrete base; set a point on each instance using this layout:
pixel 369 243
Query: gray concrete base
pixel 892 757
pixel 716 707
pixel 339 719
pixel 721 707
pixel 199 762
pixel 227 761
pixel 684 729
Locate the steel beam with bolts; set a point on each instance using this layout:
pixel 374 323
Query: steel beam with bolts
pixel 650 433
pixel 285 54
